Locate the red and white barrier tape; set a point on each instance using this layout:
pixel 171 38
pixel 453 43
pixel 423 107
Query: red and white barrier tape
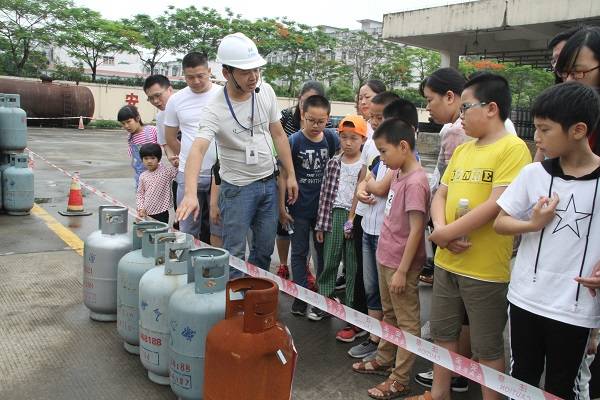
pixel 485 376
pixel 132 211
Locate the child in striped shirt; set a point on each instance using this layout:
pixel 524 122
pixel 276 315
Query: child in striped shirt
pixel 154 190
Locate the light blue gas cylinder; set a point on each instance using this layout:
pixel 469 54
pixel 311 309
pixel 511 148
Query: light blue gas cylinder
pixel 102 251
pixel 130 270
pixel 13 124
pixel 193 310
pixel 17 186
pixel 156 287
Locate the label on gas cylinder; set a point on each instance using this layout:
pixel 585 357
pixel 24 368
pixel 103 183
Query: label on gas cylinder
pixel 180 379
pixel 149 356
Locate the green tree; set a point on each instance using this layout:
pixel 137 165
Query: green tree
pixel 362 52
pixel 341 90
pixel 423 62
pixel 25 25
pixel 194 29
pixel 154 35
pixel 88 37
pixel 525 81
pixel 396 69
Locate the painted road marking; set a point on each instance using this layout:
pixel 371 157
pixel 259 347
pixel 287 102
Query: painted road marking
pixel 64 233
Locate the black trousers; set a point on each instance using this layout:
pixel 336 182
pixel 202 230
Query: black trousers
pixel 360 297
pixel 537 341
pixel 162 217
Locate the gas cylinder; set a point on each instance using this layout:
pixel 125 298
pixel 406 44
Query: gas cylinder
pixel 146 251
pixel 249 355
pixel 4 164
pixel 156 287
pixel 13 124
pixel 102 251
pixel 17 186
pixel 193 310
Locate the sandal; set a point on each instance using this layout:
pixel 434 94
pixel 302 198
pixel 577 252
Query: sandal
pixel 388 389
pixel 371 367
pixel 425 396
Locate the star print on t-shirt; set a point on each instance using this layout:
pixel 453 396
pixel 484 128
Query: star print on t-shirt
pixel 570 217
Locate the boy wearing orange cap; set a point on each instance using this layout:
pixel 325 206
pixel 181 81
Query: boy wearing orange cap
pixel 336 210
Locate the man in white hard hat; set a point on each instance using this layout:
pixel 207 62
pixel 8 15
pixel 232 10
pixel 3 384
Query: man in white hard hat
pixel 244 121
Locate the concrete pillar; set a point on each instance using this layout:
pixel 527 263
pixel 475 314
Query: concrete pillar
pixel 449 59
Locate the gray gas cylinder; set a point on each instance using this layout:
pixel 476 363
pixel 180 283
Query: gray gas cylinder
pixel 17 186
pixel 13 124
pixel 130 270
pixel 102 251
pixel 4 164
pixel 156 287
pixel 193 310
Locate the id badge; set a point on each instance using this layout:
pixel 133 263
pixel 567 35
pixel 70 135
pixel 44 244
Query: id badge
pixel 251 155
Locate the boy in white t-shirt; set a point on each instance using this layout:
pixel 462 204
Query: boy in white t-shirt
pixel 554 205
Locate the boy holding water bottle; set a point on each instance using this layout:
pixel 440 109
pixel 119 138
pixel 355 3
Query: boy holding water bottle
pixel 472 261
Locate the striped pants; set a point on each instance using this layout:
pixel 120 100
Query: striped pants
pixel 336 249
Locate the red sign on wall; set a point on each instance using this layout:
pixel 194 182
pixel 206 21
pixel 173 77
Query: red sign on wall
pixel 131 99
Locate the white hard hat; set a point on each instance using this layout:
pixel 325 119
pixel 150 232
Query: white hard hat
pixel 239 51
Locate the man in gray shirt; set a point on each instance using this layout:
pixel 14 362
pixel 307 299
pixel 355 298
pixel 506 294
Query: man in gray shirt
pixel 244 120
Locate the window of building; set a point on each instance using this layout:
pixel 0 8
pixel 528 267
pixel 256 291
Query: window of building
pixel 108 60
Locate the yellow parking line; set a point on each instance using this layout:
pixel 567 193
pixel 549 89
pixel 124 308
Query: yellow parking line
pixel 66 235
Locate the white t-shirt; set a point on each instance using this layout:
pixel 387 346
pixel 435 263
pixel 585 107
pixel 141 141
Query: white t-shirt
pixel 368 154
pixel 160 128
pixel 245 155
pixel 348 181
pixel 509 126
pixel 184 110
pixel 542 279
pixel 374 213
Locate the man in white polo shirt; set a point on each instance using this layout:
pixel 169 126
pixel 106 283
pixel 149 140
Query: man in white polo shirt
pixel 243 118
pixel 184 112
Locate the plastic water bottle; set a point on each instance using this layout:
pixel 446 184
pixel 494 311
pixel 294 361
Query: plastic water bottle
pixel 462 209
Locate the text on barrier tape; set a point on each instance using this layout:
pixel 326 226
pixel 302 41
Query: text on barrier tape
pixel 485 376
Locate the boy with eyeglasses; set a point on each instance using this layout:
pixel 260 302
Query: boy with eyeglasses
pixel 311 148
pixel 472 260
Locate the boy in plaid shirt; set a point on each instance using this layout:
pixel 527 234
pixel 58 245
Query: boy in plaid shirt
pixel 336 210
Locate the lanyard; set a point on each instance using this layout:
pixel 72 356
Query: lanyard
pixel 251 128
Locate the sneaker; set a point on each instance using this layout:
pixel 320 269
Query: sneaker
pixel 349 333
pixel 458 384
pixel 426 331
pixel 370 357
pixel 316 314
pixel 427 279
pixel 283 272
pixel 364 349
pixel 340 282
pixel 310 280
pixel 299 307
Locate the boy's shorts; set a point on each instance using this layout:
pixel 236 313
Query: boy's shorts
pixel 484 302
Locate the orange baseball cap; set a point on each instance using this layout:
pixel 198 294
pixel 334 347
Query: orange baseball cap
pixel 359 125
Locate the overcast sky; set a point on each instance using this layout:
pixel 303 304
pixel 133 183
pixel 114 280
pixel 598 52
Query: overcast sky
pixel 312 12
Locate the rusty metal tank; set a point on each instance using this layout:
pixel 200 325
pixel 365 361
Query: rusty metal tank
pixel 249 355
pixel 52 101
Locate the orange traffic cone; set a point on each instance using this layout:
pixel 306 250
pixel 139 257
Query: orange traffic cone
pixel 75 204
pixel 81 127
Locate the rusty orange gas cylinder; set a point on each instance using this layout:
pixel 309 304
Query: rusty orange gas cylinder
pixel 249 355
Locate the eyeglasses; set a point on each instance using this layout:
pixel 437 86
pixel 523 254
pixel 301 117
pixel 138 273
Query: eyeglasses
pixel 154 97
pixel 311 122
pixel 465 106
pixel 576 74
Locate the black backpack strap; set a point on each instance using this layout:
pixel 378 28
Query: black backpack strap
pixel 330 142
